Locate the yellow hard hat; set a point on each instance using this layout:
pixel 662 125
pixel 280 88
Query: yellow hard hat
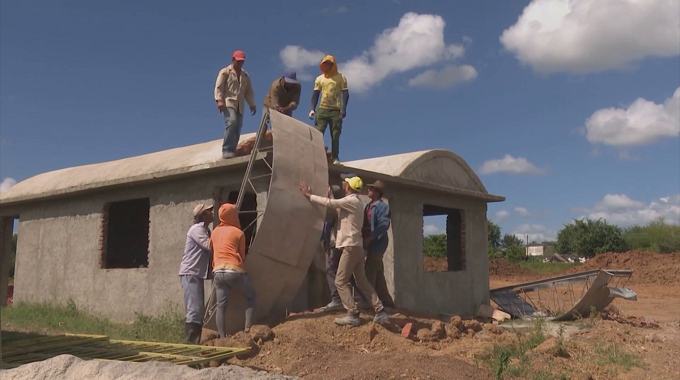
pixel 355 183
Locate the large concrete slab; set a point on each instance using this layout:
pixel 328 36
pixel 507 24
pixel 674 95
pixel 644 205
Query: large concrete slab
pixel 289 231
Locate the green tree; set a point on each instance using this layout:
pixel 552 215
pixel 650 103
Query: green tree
pixel 515 253
pixel 435 245
pixel 657 236
pixel 494 232
pixel 589 237
pixel 510 240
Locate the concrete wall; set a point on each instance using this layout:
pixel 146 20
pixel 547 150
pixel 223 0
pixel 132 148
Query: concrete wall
pixel 435 292
pixel 59 249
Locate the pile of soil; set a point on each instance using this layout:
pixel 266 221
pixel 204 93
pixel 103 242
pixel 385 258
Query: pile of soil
pixel 647 267
pixel 506 268
pixel 432 264
pixel 310 345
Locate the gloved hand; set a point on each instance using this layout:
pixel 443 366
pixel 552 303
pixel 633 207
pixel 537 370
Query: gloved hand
pixel 312 114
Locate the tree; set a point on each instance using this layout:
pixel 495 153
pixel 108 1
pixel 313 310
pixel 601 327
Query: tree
pixel 589 237
pixel 435 245
pixel 515 253
pixel 494 232
pixel 510 241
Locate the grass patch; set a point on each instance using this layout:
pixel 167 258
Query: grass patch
pixel 512 360
pixel 44 318
pixel 546 268
pixel 611 354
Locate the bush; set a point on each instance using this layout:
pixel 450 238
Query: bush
pixel 515 253
pixel 510 240
pixel 435 246
pixel 657 236
pixel 588 237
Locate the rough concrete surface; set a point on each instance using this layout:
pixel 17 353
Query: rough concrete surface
pixel 67 367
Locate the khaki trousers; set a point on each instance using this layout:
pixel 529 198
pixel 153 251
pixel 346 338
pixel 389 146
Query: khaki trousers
pixel 352 263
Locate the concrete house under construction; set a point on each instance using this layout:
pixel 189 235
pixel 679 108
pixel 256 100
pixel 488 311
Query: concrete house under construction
pixel 110 236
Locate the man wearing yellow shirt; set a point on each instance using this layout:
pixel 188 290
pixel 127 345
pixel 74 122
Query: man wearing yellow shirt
pixel 331 86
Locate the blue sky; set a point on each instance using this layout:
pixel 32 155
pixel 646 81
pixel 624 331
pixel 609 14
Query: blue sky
pixel 565 111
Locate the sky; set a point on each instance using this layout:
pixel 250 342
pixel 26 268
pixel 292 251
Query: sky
pixel 569 109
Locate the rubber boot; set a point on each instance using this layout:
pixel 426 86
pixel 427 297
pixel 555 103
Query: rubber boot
pixel 188 332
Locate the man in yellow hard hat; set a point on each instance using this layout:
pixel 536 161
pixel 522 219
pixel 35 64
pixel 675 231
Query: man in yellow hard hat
pixel 350 213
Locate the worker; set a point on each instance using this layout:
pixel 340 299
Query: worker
pixel 284 94
pixel 348 239
pixel 330 230
pixel 331 86
pixel 229 273
pixel 231 88
pixel 194 269
pixel 376 223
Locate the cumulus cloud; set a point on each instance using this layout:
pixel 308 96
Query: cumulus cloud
pixel 621 210
pixel 581 36
pixel 523 212
pixel 642 123
pixel 6 184
pixel 447 77
pixel 431 229
pixel 537 232
pixel 512 165
pixel 416 42
pixel 502 215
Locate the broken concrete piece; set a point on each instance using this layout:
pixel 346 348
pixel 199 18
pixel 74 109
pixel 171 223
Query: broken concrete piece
pixel 500 316
pixel 426 335
pixel 406 330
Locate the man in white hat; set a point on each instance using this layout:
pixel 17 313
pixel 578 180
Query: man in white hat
pixel 194 270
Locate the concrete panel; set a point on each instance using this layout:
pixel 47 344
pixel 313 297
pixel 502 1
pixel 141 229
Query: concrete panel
pixel 289 231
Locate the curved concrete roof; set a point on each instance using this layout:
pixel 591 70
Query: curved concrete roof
pixel 440 168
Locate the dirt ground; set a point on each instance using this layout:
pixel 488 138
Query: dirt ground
pixel 618 346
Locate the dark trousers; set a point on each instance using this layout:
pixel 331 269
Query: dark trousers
pixel 375 273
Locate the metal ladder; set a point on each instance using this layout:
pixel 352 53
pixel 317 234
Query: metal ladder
pixel 248 178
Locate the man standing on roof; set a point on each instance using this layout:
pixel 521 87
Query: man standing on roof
pixel 194 270
pixel 284 94
pixel 376 223
pixel 332 87
pixel 350 210
pixel 232 87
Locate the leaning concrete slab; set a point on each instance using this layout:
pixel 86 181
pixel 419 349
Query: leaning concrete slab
pixel 290 228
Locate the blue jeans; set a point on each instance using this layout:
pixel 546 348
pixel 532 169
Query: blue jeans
pixel 233 122
pixel 224 283
pixel 194 302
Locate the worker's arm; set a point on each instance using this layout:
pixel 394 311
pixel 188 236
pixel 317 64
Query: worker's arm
pixel 250 95
pixel 343 203
pixel 219 87
pixel 274 94
pixel 296 98
pixel 199 234
pixel 345 96
pixel 315 99
pixel 380 221
pixel 242 245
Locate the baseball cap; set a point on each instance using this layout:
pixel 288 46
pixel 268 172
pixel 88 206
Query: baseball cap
pixel 200 208
pixel 290 76
pixel 239 55
pixel 355 183
pixel 347 175
pixel 378 185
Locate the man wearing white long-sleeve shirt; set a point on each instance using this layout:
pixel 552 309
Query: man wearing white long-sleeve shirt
pixel 194 270
pixel 349 239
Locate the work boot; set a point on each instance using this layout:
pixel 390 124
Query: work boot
pixel 381 317
pixel 188 334
pixel 194 335
pixel 333 306
pixel 348 320
pixel 228 155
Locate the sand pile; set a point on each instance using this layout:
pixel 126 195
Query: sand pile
pixel 648 267
pixel 67 367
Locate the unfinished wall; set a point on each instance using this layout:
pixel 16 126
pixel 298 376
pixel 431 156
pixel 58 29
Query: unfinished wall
pixel 60 255
pixel 454 292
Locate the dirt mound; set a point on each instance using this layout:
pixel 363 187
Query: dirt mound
pixel 647 267
pixel 506 268
pixel 311 346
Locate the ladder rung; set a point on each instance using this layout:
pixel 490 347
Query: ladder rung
pixel 261 176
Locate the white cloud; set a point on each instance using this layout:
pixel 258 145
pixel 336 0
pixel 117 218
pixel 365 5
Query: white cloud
pixel 642 123
pixel 502 215
pixel 430 229
pixel 523 212
pixel 580 36
pixel 447 77
pixel 619 209
pixel 537 232
pixel 417 42
pixel 6 184
pixel 510 164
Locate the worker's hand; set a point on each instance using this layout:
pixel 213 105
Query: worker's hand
pixel 221 105
pixel 343 114
pixel 306 190
pixel 281 109
pixel 312 114
pixel 253 110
